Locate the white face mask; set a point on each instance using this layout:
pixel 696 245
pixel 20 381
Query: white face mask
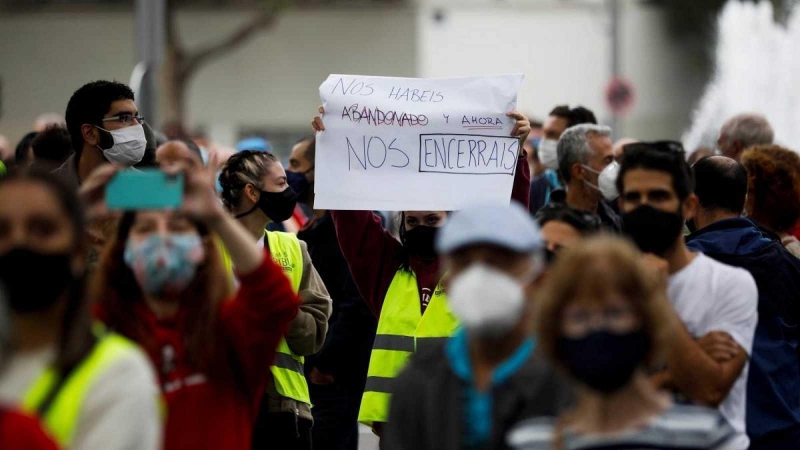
pixel 606 180
pixel 488 302
pixel 129 145
pixel 548 153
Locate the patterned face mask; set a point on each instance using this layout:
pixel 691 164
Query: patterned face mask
pixel 165 264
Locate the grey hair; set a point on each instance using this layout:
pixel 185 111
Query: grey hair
pixel 573 147
pixel 749 129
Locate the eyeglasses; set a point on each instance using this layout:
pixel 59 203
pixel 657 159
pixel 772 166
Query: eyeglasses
pixel 125 118
pixel 581 320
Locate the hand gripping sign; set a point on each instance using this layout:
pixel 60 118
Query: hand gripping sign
pixel 404 144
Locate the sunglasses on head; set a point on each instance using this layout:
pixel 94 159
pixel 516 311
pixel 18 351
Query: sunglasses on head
pixel 673 147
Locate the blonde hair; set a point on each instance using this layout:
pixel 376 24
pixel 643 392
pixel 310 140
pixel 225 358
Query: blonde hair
pixel 604 264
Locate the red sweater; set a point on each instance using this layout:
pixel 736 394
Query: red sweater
pixel 374 255
pixel 219 413
pixel 20 432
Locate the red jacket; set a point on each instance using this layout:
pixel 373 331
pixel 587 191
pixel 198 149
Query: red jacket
pixel 374 255
pixel 796 230
pixel 20 432
pixel 219 413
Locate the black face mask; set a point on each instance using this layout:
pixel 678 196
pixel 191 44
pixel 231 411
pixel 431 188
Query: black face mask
pixel 278 206
pixel 602 360
pixel 653 230
pixel 298 182
pixel 419 241
pixel 21 272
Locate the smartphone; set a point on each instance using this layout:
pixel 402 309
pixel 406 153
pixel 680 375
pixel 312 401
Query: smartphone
pixel 136 189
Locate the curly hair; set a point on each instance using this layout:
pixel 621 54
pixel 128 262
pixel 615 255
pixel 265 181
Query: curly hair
pixel 243 168
pixel 604 266
pixel 773 174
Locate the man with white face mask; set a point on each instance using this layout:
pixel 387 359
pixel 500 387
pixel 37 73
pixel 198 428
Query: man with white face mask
pixel 105 126
pixel 467 392
pixel 559 119
pixel 586 164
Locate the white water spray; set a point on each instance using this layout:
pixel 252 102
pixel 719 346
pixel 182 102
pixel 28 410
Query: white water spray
pixel 757 69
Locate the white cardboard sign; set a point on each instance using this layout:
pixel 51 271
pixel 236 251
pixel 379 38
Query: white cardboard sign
pixel 403 144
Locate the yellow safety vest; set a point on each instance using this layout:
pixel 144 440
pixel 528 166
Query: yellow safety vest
pixel 287 371
pixel 402 330
pixel 61 419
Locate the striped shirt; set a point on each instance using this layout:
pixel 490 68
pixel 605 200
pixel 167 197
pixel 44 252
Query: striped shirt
pixel 680 427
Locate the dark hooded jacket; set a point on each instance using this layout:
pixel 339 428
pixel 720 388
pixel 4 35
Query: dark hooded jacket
pixel 773 386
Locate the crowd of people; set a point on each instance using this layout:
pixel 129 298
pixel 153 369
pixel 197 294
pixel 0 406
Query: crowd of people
pixel 631 296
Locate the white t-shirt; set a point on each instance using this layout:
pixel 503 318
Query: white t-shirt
pixel 711 296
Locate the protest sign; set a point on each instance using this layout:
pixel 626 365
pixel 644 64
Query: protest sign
pixel 416 144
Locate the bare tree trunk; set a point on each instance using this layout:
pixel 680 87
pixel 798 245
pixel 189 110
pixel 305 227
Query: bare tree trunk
pixel 180 65
pixel 172 83
pixel 173 87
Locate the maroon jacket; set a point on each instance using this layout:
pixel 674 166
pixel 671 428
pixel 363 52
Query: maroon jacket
pixel 374 255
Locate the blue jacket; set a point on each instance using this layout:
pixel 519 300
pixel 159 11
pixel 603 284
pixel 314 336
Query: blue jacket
pixel 541 188
pixel 773 386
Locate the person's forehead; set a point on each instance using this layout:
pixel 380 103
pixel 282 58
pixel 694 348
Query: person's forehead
pixel 274 169
pixel 646 180
pixel 555 122
pixel 122 106
pixel 299 150
pixel 24 199
pixel 556 228
pixel 146 216
pixel 159 216
pixel 601 144
pixel 421 214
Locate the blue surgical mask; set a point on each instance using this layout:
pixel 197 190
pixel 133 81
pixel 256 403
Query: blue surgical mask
pixel 298 182
pixel 165 264
pixel 548 153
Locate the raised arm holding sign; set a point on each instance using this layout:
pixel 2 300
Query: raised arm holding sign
pixel 411 161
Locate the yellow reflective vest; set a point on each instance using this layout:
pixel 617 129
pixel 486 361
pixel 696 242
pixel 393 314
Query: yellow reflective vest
pixel 61 417
pixel 402 330
pixel 287 371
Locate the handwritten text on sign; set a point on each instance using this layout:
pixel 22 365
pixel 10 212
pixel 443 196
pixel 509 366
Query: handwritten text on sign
pixel 416 144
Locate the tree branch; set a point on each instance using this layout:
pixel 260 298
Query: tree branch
pixel 238 37
pixel 171 31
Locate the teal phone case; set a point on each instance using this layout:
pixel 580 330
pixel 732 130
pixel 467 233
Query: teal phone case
pixel 144 189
